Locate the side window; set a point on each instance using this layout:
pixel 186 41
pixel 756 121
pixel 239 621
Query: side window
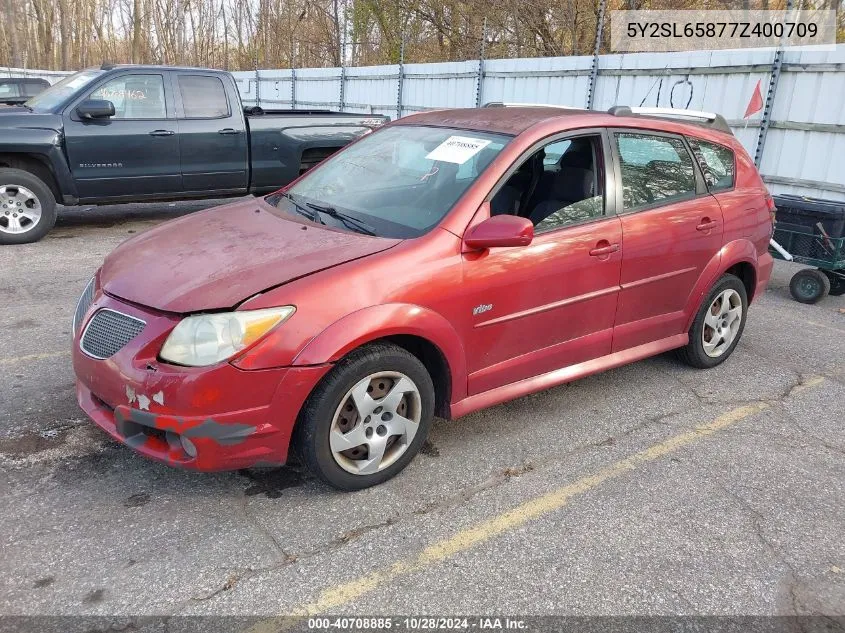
pixel 716 162
pixel 554 152
pixel 655 170
pixel 559 185
pixel 203 97
pixel 134 96
pixel 8 90
pixel 31 88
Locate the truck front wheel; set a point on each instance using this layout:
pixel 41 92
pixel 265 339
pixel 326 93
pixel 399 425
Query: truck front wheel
pixel 27 207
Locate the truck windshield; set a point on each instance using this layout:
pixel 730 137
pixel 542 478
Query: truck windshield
pixel 400 181
pixel 58 93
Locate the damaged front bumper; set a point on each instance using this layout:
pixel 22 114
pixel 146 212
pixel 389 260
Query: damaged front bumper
pixel 206 418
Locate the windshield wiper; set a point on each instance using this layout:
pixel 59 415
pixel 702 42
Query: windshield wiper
pixel 351 222
pixel 303 210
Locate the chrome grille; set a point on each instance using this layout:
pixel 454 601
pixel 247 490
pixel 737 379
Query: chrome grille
pixel 108 332
pixel 82 305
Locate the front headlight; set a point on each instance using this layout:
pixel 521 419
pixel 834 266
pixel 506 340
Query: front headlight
pixel 206 339
pixel 85 301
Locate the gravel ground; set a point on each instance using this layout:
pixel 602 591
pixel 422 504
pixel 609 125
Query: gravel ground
pixel 653 489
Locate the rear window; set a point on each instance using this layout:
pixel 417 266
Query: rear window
pixel 33 87
pixel 716 162
pixel 203 97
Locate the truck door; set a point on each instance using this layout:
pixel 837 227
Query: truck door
pixel 133 154
pixel 212 134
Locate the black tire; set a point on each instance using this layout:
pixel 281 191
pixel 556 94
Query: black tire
pixel 809 285
pixel 19 178
pixel 693 353
pixel 311 436
pixel 837 282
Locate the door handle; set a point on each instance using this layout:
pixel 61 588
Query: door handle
pixel 228 130
pixel 706 224
pixel 162 133
pixel 604 248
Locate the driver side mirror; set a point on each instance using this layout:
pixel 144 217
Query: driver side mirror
pixel 500 230
pixel 95 109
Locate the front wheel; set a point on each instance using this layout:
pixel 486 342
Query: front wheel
pixel 718 325
pixel 367 418
pixel 27 207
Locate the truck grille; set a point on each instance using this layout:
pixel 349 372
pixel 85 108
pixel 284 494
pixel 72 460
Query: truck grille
pixel 108 332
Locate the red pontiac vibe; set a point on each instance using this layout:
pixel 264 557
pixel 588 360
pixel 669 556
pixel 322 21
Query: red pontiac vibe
pixel 448 262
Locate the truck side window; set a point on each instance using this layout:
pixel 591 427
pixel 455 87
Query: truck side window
pixel 134 96
pixel 203 97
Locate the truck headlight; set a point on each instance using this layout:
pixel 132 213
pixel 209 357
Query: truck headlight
pixel 206 339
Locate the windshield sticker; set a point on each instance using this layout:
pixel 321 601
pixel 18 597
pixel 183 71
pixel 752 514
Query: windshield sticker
pixel 457 149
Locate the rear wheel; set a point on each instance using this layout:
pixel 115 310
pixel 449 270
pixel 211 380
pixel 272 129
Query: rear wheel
pixel 837 282
pixel 27 207
pixel 809 285
pixel 367 419
pixel 718 325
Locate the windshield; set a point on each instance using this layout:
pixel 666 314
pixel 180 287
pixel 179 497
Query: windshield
pixel 399 182
pixel 57 93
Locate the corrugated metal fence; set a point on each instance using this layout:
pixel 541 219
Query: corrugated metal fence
pixel 804 149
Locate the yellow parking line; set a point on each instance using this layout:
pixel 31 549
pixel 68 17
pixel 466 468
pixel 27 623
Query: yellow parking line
pixel 808 383
pixel 345 593
pixel 9 360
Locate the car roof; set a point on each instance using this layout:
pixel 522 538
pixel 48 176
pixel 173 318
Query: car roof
pixel 20 80
pixel 108 66
pixel 509 120
pixel 514 120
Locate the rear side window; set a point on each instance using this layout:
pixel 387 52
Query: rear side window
pixel 654 169
pixel 203 97
pixel 716 162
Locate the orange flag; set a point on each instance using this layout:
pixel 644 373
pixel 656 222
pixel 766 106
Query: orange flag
pixel 756 103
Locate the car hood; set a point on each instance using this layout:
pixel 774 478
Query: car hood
pixel 216 258
pixel 17 117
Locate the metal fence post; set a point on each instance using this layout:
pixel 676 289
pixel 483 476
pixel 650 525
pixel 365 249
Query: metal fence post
pixel 343 61
pixel 479 85
pixel 292 88
pixel 594 70
pixel 257 84
pixel 769 101
pixel 401 77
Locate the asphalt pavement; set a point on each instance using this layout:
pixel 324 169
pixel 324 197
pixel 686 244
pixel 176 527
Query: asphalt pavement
pixel 653 489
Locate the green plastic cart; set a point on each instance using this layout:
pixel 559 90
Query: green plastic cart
pixel 816 248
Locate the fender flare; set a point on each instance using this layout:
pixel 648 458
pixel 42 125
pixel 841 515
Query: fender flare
pixel 392 319
pixel 45 146
pixel 741 251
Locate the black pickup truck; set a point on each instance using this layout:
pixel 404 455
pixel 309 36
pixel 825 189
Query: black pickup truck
pixel 139 133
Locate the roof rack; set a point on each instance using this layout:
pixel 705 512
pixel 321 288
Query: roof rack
pixel 502 104
pixel 705 119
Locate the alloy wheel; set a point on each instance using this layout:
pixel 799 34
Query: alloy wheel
pixel 20 209
pixel 721 324
pixel 375 423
